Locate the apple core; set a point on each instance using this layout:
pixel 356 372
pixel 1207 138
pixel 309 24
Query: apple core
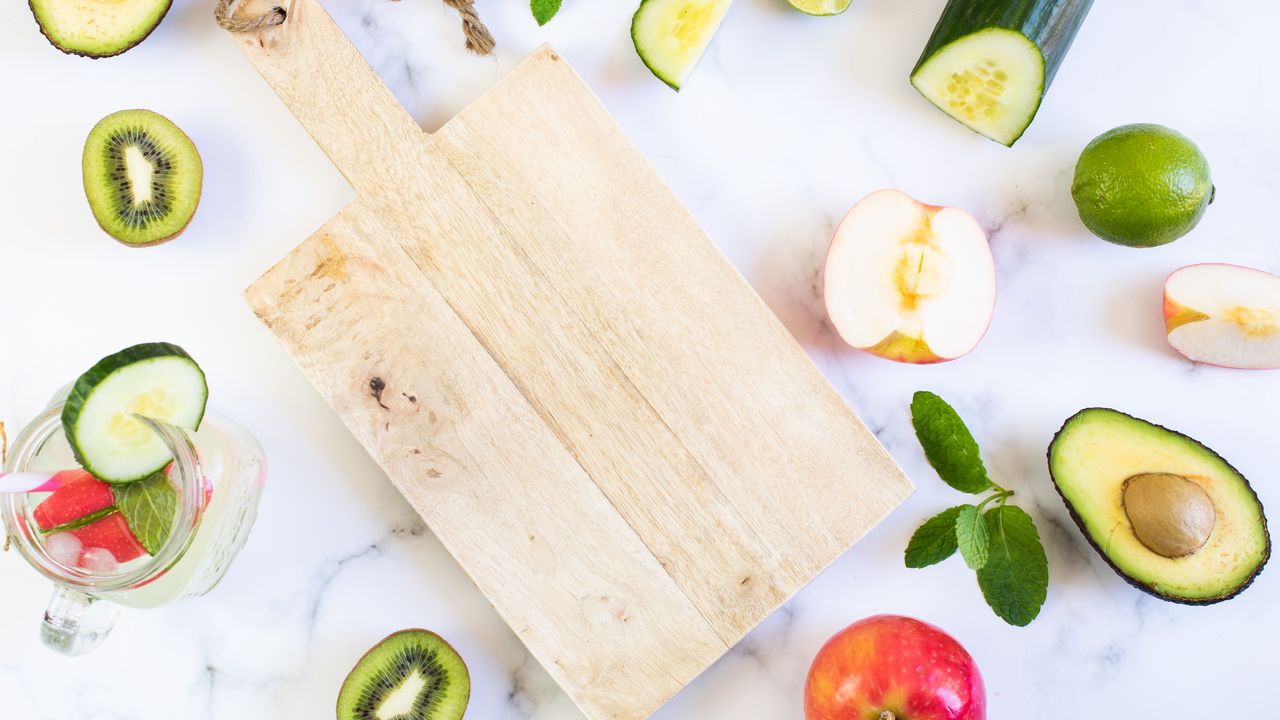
pixel 1255 322
pixel 922 272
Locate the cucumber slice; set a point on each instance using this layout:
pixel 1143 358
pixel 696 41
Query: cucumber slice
pixel 671 35
pixel 991 81
pixel 155 380
pixel 990 62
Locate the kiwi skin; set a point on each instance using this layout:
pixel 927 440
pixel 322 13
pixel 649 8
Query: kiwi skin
pixel 92 56
pixel 466 672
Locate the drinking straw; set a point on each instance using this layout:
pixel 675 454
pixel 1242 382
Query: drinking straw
pixel 29 482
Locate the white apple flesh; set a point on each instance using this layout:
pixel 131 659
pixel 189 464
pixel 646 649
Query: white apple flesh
pixel 909 282
pixel 1224 315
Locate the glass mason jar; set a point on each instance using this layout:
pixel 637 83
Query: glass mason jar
pixel 217 473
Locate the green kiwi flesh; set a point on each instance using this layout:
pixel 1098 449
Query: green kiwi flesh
pixel 411 675
pixel 97 29
pixel 142 176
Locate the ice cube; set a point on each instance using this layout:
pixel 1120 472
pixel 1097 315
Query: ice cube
pixel 99 560
pixel 64 548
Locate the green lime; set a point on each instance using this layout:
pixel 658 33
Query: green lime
pixel 821 7
pixel 1141 185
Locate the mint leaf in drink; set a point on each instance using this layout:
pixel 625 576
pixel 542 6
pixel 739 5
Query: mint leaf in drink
pixel 544 10
pixel 935 540
pixel 1015 578
pixel 972 537
pixel 149 507
pixel 948 444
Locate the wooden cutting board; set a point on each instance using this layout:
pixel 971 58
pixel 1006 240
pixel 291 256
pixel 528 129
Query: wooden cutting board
pixel 609 430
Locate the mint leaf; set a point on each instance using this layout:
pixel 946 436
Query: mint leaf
pixel 935 540
pixel 1015 578
pixel 972 537
pixel 149 507
pixel 80 522
pixel 947 444
pixel 544 10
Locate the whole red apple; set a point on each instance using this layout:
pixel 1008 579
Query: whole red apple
pixel 889 667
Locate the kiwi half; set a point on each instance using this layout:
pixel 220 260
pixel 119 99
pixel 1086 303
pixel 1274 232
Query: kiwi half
pixel 411 675
pixel 142 176
pixel 98 28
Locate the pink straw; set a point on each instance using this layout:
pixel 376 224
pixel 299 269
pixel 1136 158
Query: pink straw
pixel 29 482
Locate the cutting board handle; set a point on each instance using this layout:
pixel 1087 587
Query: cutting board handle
pixel 327 84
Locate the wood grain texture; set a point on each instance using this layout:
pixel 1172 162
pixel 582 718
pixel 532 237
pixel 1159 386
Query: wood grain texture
pixel 443 408
pixel 595 413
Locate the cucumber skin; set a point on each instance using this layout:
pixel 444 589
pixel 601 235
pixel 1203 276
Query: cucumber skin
pixel 103 369
pixel 1050 24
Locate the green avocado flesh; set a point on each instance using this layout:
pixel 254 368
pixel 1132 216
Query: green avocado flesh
pixel 142 176
pixel 411 675
pixel 98 28
pixel 1098 450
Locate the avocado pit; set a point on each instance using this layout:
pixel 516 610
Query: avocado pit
pixel 1171 515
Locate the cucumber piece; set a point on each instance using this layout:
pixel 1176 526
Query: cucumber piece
pixel 155 380
pixel 990 62
pixel 671 35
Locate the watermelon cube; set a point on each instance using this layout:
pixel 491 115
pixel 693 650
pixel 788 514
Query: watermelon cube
pixel 81 495
pixel 112 534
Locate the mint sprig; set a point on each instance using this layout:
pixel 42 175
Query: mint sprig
pixel 150 508
pixel 1001 543
pixel 544 10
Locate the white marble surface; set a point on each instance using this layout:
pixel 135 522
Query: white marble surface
pixel 788 121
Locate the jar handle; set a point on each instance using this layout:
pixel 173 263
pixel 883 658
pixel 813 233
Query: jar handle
pixel 75 623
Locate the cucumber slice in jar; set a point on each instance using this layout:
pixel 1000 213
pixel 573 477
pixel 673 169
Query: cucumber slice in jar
pixel 155 380
pixel 990 62
pixel 671 35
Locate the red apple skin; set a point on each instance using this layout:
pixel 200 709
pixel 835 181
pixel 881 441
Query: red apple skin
pixel 894 666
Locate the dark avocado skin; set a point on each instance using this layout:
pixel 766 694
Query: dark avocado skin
pixel 121 51
pixel 1266 552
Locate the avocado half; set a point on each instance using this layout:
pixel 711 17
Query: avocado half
pixel 1170 516
pixel 98 29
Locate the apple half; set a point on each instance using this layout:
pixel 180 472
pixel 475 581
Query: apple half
pixel 909 282
pixel 1225 315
